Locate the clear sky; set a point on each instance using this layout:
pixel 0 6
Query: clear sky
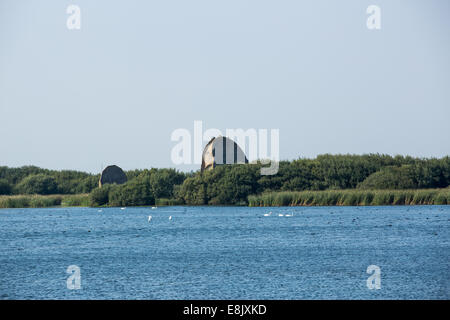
pixel 114 91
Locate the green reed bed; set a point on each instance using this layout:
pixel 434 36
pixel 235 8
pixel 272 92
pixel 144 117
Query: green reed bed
pixel 352 198
pixel 41 201
pixel 75 200
pixel 167 202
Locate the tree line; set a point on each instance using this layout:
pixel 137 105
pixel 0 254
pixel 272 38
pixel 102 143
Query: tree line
pixel 35 180
pixel 233 184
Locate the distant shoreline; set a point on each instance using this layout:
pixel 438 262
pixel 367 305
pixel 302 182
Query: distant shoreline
pixel 327 180
pixel 349 197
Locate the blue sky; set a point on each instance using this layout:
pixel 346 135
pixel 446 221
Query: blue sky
pixel 114 91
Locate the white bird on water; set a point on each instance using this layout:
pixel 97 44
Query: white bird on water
pixel 154 208
pixel 290 215
pixel 149 218
pixel 267 214
pixel 170 218
pixel 280 215
pixel 122 208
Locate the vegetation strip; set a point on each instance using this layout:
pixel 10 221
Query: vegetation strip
pixel 371 179
pixel 352 198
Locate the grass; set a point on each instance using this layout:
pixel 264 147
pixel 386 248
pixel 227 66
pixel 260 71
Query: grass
pixel 352 198
pixel 286 198
pixel 168 202
pixel 41 201
pixel 71 200
pixel 75 200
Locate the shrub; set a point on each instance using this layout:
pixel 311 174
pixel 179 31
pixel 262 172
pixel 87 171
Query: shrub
pixel 193 191
pixel 134 193
pixel 37 184
pixel 99 196
pixel 162 182
pixel 5 187
pixel 390 178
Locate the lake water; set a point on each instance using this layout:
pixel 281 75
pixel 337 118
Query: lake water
pixel 226 252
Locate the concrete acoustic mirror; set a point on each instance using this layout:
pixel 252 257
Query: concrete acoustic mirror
pixel 112 174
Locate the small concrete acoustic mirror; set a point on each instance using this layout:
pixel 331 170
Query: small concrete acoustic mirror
pixel 222 150
pixel 112 174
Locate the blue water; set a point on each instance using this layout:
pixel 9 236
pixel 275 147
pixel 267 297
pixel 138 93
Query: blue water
pixel 226 252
